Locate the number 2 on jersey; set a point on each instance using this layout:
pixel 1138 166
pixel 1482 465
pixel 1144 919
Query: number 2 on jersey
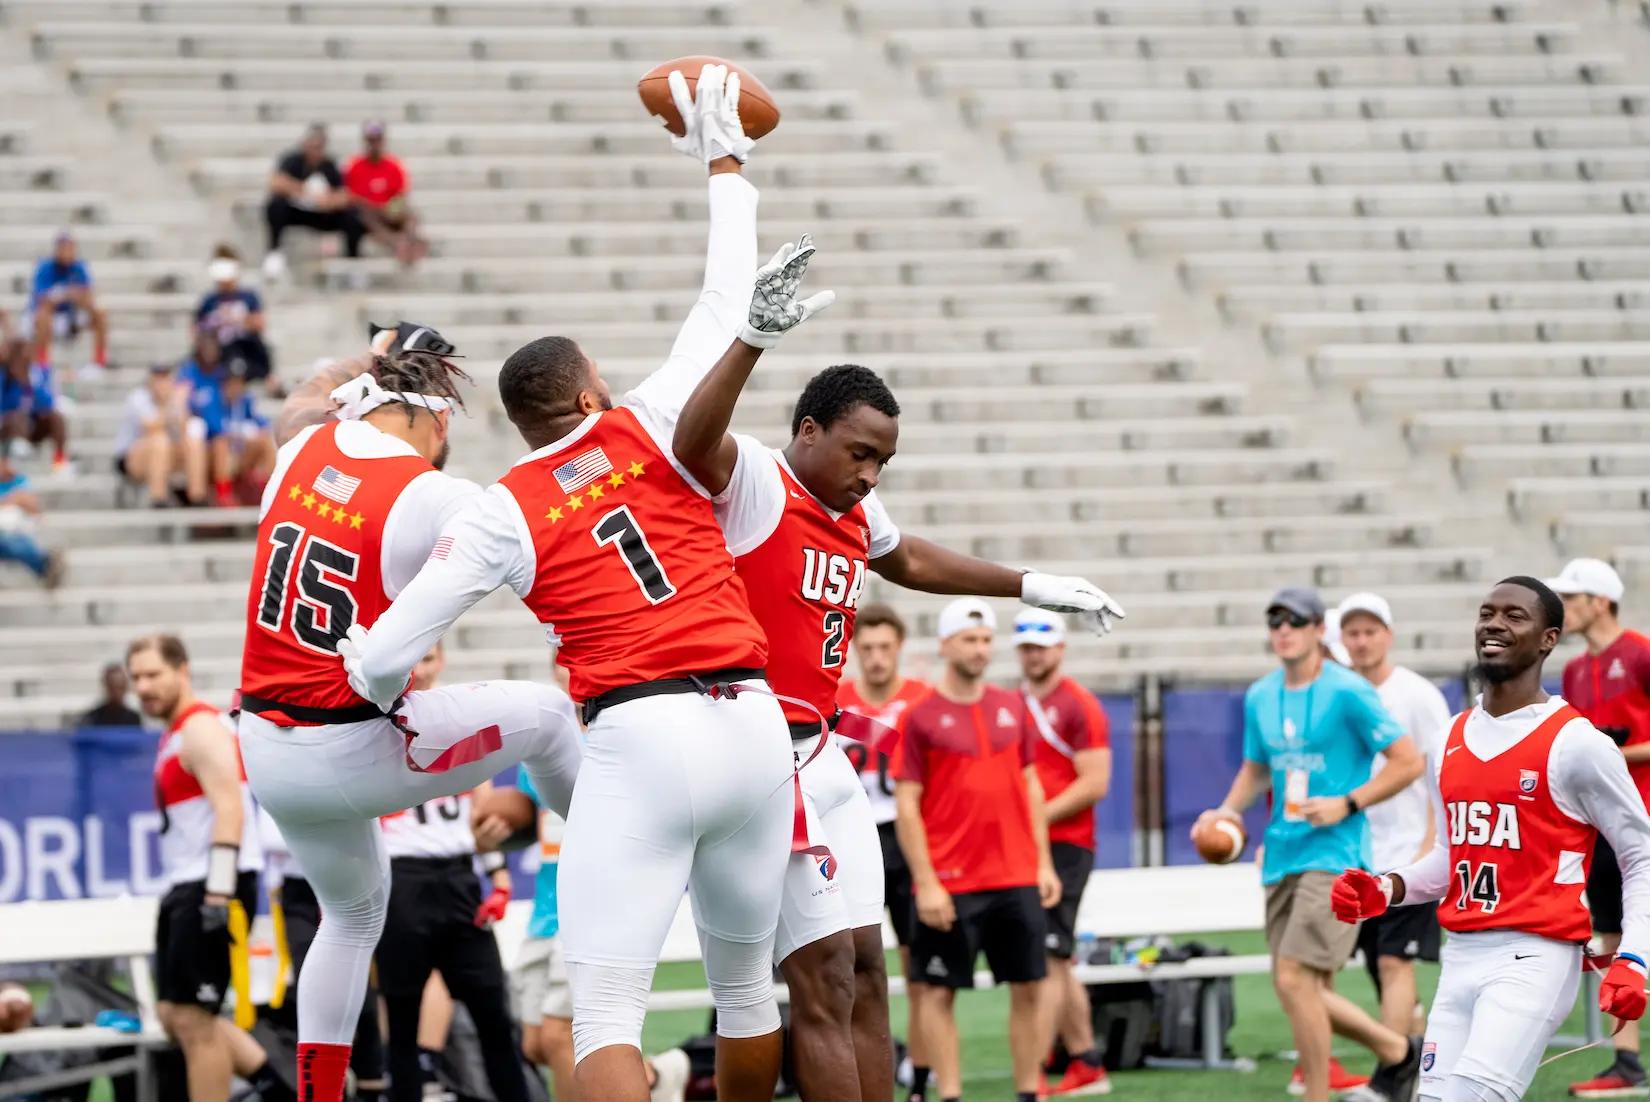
pixel 619 528
pixel 836 628
pixel 1481 888
pixel 323 610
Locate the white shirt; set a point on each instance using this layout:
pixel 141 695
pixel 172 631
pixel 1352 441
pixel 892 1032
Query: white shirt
pixel 424 508
pixel 1398 826
pixel 492 545
pixel 1588 779
pixel 139 411
pixel 753 502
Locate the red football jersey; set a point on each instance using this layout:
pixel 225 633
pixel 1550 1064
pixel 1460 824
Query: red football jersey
pixel 971 760
pixel 875 769
pixel 317 570
pixel 633 574
pixel 1612 689
pixel 1508 840
pixel 1077 720
pixel 186 815
pixel 805 581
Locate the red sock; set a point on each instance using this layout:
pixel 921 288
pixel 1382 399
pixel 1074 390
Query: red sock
pixel 321 1071
pixel 225 489
pixel 101 357
pixel 60 453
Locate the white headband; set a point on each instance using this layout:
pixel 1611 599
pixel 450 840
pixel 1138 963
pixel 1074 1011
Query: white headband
pixel 362 394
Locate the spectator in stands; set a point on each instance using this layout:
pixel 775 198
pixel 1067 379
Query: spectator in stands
pixel 971 822
pixel 243 452
pixel 62 303
pixel 28 405
pixel 1311 731
pixel 19 508
pixel 234 316
pixel 1404 827
pixel 378 184
pixel 307 190
pixel 1610 685
pixel 112 710
pixel 160 439
pixel 1073 757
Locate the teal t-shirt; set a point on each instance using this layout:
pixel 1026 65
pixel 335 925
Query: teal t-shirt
pixel 544 921
pixel 1330 731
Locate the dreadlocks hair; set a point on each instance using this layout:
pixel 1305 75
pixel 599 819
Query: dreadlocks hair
pixel 1552 605
pixel 834 393
pixel 419 373
pixel 541 379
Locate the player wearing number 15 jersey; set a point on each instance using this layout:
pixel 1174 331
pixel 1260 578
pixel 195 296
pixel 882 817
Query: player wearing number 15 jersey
pixel 353 508
pixel 1525 787
pixel 806 528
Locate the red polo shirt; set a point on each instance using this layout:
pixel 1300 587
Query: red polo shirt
pixel 1076 719
pixel 1612 689
pixel 970 760
pixel 376 182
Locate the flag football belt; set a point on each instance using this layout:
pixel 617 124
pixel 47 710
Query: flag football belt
pixel 711 684
pixel 878 736
pixel 302 713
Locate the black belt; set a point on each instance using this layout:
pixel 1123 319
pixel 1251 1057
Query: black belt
pixel 464 863
pixel 701 683
pixel 353 713
pixel 800 731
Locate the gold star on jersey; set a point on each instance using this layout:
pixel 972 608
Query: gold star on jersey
pixel 596 491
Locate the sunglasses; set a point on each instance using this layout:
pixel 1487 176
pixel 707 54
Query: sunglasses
pixel 1279 617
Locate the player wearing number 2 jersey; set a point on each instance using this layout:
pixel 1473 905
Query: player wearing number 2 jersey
pixel 353 508
pixel 686 782
pixel 1525 785
pixel 804 525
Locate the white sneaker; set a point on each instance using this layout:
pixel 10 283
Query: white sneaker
pixel 91 373
pixel 671 1070
pixel 274 267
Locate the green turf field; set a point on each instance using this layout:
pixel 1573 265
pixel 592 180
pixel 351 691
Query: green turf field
pixel 1260 1032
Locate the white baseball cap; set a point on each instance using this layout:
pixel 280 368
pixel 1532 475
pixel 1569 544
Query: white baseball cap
pixel 1038 627
pixel 965 613
pixel 1591 576
pixel 224 269
pixel 1372 603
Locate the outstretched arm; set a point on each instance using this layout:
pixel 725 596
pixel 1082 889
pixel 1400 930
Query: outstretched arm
pixel 310 402
pixel 916 563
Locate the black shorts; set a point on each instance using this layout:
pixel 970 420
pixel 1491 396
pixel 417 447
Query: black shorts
pixel 1604 889
pixel 896 885
pixel 1008 924
pixel 431 925
pixel 1072 864
pixel 1408 933
pixel 192 968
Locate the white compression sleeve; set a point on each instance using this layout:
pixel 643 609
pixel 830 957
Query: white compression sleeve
pixel 1427 878
pixel 1590 781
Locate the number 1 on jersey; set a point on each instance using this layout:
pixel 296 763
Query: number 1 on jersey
pixel 323 610
pixel 619 528
pixel 1481 887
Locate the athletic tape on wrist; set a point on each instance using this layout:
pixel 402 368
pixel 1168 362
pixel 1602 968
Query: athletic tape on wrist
pixel 221 871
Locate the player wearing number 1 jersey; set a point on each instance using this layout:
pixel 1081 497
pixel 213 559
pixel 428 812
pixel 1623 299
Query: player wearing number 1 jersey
pixel 354 506
pixel 1525 786
pixel 805 527
pixel 686 782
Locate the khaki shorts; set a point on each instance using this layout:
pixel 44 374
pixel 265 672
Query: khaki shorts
pixel 538 983
pixel 1300 925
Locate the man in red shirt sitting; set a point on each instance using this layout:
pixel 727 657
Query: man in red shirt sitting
pixel 1073 758
pixel 377 182
pixel 971 822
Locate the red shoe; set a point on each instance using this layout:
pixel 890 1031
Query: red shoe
pixel 1615 1082
pixel 1339 1079
pixel 1081 1079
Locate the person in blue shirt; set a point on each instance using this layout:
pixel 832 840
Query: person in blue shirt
pixel 1311 730
pixel 61 303
pixel 233 315
pixel 28 404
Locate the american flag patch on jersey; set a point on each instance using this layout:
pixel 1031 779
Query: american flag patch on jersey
pixel 582 470
pixel 443 547
pixel 337 485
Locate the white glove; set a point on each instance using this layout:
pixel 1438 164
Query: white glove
pixel 775 309
pixel 1057 594
pixel 349 649
pixel 710 115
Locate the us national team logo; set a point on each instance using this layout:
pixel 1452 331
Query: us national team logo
pixel 582 470
pixel 1616 671
pixel 1429 1055
pixel 1005 718
pixel 1527 780
pixel 827 865
pixel 335 484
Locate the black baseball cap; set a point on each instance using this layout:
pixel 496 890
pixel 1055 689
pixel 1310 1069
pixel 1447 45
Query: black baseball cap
pixel 1302 600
